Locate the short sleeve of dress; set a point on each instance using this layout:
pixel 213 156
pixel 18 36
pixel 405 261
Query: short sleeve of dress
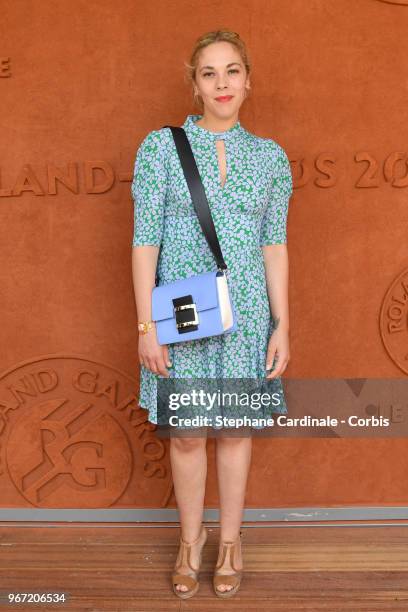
pixel 149 190
pixel 273 228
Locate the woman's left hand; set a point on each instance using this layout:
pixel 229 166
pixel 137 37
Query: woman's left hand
pixel 278 346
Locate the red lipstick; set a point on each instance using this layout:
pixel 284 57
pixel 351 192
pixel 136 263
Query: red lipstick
pixel 224 98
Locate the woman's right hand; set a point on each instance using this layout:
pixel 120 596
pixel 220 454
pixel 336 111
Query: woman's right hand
pixel 152 355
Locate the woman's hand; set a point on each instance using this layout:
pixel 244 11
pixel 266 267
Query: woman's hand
pixel 152 355
pixel 278 345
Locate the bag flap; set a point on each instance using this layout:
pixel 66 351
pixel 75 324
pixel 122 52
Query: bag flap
pixel 202 287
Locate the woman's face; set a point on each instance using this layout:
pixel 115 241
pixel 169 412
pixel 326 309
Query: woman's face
pixel 221 72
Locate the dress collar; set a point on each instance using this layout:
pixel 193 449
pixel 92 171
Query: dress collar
pixel 205 135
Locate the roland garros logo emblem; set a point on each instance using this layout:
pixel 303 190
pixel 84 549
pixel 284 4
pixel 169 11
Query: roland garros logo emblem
pixel 73 436
pixel 394 321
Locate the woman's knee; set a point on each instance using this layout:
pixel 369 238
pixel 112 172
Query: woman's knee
pixel 233 441
pixel 188 444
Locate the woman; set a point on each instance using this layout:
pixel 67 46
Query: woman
pixel 248 184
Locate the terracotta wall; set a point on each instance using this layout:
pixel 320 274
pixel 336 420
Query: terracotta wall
pixel 82 82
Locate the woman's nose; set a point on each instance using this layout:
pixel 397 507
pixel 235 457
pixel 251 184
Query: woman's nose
pixel 221 83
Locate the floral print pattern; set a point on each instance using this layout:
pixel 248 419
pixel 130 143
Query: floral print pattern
pixel 249 211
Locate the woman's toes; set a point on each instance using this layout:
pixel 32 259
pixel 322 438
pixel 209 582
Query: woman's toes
pixel 224 587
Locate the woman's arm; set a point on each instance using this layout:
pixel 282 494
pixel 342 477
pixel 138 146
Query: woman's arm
pixel 152 355
pixel 277 279
pixel 273 241
pixel 144 262
pixel 149 193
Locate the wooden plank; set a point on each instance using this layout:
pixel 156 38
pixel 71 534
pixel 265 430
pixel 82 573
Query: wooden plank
pixel 123 568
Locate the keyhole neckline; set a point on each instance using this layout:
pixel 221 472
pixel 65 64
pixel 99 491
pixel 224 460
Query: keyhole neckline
pixel 230 134
pixel 221 186
pixel 199 135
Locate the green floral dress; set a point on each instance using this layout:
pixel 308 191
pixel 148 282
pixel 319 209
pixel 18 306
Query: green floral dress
pixel 249 211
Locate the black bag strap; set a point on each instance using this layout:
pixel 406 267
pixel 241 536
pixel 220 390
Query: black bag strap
pixel 197 192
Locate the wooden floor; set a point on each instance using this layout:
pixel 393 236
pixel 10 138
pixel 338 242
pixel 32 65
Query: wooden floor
pixel 127 567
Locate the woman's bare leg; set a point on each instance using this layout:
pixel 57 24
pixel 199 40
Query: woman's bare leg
pixel 188 457
pixel 233 459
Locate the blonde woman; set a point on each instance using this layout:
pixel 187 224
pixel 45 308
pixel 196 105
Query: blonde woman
pixel 248 183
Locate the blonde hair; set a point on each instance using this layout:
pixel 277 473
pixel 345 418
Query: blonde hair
pixel 205 40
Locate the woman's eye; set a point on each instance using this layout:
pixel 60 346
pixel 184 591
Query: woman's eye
pixel 209 73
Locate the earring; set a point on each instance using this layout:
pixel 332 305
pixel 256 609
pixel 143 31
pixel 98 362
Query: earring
pixel 197 100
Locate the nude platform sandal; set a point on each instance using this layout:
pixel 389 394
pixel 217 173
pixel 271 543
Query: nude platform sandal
pixel 232 579
pixel 190 579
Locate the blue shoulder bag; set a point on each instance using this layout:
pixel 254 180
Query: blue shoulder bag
pixel 199 306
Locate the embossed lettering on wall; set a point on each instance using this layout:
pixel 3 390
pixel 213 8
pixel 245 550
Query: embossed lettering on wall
pixel 98 176
pixel 73 435
pixel 394 321
pixel 5 68
pixel 86 177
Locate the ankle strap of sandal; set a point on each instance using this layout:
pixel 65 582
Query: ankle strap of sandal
pixel 194 541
